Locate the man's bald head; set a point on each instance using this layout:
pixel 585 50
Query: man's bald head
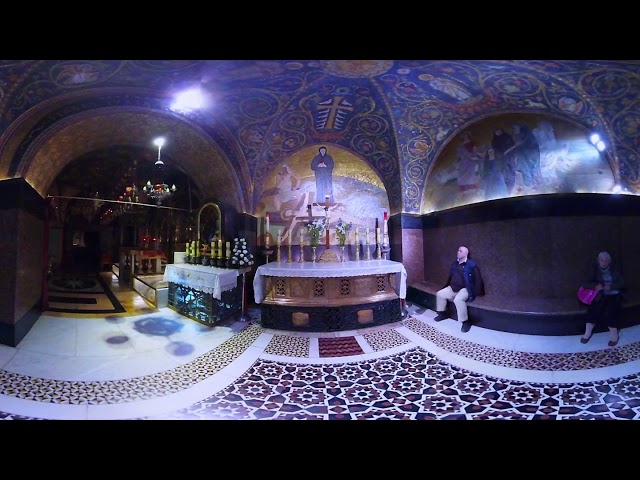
pixel 463 253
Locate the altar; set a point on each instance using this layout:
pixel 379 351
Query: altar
pixel 330 296
pixel 134 261
pixel 203 293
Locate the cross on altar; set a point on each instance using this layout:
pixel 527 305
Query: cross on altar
pixel 326 204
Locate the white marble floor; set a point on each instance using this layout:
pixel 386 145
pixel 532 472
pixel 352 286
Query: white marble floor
pixel 152 365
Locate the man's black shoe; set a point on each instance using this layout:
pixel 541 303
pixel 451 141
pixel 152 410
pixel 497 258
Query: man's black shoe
pixel 466 326
pixel 439 317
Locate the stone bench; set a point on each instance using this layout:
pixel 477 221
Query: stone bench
pixel 533 316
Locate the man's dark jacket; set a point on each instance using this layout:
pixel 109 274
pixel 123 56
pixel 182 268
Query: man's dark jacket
pixel 472 279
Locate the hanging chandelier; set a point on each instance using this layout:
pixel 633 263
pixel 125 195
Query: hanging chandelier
pixel 159 191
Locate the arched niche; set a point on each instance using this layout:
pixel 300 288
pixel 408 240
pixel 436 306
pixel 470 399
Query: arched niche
pixel 552 156
pixel 209 222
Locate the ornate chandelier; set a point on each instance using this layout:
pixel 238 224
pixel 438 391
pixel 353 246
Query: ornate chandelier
pixel 159 191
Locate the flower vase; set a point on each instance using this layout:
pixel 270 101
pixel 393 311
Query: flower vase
pixel 313 254
pixel 342 257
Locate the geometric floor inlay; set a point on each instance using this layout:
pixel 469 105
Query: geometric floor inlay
pixel 414 384
pixel 526 360
pixel 411 385
pixel 133 389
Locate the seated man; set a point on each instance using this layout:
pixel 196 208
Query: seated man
pixel 463 285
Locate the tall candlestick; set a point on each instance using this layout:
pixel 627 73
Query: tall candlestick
pixel 278 239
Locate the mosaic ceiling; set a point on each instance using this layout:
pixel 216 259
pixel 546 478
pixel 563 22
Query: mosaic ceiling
pixel 397 115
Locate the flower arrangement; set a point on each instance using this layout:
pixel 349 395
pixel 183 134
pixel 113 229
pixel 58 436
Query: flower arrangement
pixel 240 256
pixel 315 230
pixel 342 229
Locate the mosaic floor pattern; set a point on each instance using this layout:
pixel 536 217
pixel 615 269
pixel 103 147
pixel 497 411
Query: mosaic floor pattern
pixel 82 293
pixel 163 366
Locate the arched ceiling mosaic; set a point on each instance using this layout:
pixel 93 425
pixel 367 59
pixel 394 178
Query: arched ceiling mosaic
pixel 398 115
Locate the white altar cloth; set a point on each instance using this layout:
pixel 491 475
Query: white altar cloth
pixel 329 269
pixel 206 279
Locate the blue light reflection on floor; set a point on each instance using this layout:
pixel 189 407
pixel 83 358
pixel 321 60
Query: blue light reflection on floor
pixel 158 326
pixel 180 349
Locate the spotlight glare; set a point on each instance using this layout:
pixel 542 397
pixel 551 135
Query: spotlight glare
pixel 594 138
pixel 188 100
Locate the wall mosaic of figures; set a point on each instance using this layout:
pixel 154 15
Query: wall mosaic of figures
pixel 350 187
pixel 400 118
pixel 516 155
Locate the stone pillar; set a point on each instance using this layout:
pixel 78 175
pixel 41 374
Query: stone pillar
pixel 22 236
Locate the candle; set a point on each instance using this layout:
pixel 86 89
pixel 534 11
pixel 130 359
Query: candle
pixel 278 239
pixel 266 229
pixel 301 239
pixel 220 247
pixel 378 235
pixel 228 249
pixel 289 238
pixel 367 234
pixel 385 216
pixel 357 236
pixel 213 246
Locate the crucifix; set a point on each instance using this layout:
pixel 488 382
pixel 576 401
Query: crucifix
pixel 326 204
pixel 327 255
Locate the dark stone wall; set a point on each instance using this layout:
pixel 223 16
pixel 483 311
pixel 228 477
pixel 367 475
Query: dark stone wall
pixel 22 265
pixel 531 247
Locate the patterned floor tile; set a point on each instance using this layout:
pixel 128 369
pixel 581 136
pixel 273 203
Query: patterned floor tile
pixel 339 347
pixel 412 385
pixel 385 339
pixel 288 346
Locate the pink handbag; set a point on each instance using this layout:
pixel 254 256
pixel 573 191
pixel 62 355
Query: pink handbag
pixel 586 295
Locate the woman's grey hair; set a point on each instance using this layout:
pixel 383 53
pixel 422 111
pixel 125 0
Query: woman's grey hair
pixel 604 256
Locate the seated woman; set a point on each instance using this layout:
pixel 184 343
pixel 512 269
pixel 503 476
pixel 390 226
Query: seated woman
pixel 606 308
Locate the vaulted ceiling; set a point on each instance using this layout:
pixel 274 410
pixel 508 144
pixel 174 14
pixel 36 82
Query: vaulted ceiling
pixel 97 116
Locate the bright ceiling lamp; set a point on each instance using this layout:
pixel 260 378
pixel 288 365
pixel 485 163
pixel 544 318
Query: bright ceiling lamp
pixel 159 191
